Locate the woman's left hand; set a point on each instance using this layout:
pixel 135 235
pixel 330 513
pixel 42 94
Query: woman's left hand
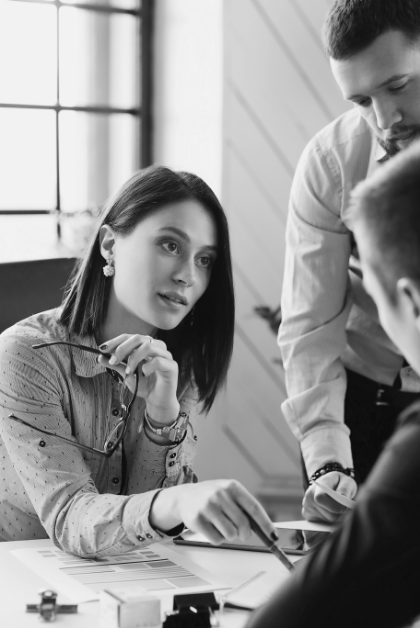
pixel 158 372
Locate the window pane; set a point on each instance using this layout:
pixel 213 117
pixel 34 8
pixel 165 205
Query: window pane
pixel 28 52
pixel 97 154
pixel 27 159
pixel 99 58
pixel 118 4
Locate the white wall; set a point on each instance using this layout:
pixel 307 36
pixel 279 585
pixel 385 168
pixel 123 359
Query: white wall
pixel 188 81
pixel 277 90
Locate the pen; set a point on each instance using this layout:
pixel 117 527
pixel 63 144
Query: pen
pixel 338 497
pixel 271 545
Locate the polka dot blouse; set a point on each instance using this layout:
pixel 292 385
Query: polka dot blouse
pixel 88 505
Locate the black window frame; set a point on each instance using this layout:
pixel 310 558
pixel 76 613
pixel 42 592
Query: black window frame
pixel 143 111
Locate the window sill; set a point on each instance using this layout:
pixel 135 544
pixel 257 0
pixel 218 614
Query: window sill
pixel 26 237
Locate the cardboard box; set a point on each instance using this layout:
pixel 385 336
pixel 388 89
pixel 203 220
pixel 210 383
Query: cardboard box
pixel 129 609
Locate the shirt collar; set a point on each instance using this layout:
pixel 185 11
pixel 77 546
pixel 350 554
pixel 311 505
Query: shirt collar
pixel 85 364
pixel 380 154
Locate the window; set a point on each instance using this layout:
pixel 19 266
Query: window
pixel 74 101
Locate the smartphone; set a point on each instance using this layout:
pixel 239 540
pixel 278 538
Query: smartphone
pixel 291 541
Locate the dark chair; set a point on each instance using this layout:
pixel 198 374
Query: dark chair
pixel 30 287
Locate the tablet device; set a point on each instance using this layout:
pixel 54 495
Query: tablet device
pixel 291 541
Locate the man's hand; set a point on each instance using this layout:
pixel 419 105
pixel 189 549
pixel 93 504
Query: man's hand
pixel 318 506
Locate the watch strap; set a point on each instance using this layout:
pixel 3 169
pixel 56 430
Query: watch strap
pixel 174 432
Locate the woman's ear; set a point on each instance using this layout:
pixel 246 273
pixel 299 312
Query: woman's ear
pixel 107 242
pixel 410 290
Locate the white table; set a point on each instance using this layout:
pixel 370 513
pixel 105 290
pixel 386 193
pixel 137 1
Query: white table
pixel 20 585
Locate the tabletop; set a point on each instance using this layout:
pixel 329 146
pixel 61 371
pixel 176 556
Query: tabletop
pixel 20 585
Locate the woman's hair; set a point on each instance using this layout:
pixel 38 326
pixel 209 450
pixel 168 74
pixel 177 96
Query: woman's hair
pixel 202 343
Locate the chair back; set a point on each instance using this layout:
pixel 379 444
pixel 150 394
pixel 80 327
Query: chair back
pixel 30 287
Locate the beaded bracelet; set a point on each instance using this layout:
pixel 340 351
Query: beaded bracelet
pixel 331 466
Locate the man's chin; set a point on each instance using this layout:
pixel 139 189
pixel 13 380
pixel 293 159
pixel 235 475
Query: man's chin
pixel 392 147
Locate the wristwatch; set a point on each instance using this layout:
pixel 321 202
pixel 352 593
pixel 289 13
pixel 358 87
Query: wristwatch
pixel 175 432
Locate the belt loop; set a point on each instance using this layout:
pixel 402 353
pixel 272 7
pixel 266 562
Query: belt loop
pixel 381 397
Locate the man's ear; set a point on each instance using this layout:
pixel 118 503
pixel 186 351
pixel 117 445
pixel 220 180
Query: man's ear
pixel 107 242
pixel 409 289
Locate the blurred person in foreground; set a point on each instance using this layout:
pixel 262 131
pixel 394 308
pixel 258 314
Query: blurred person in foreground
pixel 346 380
pixel 367 573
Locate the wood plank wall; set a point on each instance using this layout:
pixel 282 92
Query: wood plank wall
pixel 278 91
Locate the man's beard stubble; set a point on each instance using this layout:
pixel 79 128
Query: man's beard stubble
pixel 391 146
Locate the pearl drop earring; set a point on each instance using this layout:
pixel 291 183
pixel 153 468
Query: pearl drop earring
pixel 109 269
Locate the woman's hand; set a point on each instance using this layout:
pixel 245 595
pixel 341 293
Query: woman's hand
pixel 318 506
pixel 158 372
pixel 216 508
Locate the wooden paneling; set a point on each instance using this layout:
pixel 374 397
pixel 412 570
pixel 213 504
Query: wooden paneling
pixel 278 91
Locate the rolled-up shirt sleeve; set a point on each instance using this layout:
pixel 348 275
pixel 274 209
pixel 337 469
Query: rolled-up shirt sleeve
pixel 56 482
pixel 316 301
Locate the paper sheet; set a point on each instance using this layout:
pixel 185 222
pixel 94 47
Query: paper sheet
pixel 313 526
pixel 255 591
pixel 150 569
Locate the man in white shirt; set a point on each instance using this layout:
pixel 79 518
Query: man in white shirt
pixel 346 380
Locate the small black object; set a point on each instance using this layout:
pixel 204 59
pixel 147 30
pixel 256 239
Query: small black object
pixel 48 608
pixel 195 610
pixel 197 600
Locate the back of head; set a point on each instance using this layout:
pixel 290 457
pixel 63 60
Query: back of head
pixel 353 25
pixel 385 212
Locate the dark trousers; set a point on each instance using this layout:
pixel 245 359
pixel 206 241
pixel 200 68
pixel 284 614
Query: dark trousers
pixel 371 411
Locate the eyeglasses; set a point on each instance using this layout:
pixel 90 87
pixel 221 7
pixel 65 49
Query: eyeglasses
pixel 119 428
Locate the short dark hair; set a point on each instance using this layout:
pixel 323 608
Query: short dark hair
pixel 387 206
pixel 353 25
pixel 202 343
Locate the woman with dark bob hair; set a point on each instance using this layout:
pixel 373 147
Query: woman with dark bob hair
pixel 99 398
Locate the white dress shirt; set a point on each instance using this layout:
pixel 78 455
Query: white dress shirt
pixel 329 321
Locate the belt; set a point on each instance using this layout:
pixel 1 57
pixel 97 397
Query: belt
pixel 382 394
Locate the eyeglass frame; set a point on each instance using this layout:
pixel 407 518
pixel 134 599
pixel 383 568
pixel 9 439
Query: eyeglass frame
pixel 109 446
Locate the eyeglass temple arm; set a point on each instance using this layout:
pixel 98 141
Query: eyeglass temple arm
pixel 63 438
pixel 71 344
pixel 127 410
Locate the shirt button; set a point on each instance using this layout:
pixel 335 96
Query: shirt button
pixel 115 480
pixel 171 464
pixel 115 376
pixel 42 443
pixel 115 411
pixel 140 538
pixel 149 536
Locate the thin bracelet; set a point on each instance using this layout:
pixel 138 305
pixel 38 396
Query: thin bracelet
pixel 155 425
pixel 328 468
